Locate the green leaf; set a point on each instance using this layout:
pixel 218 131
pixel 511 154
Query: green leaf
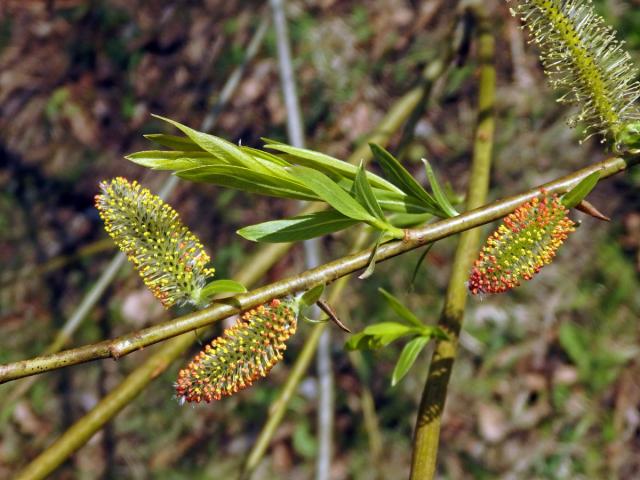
pixel 397 306
pixel 332 193
pixel 298 228
pixel 372 260
pixel 249 180
pixel 362 341
pixel 217 146
pixel 364 194
pixel 438 193
pixel 580 191
pixel 172 141
pixel 400 177
pixel 379 335
pixel 221 286
pixel 171 160
pixel 329 165
pixel 269 157
pixel 407 358
pixel 310 297
pixel 403 203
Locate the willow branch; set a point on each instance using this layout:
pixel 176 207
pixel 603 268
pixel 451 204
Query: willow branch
pixel 137 380
pixel 427 430
pixel 324 274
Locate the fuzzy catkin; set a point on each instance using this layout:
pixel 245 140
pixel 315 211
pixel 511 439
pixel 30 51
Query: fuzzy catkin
pixel 170 259
pixel 583 59
pixel 527 240
pixel 242 354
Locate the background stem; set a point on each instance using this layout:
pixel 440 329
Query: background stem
pixel 427 430
pixel 312 253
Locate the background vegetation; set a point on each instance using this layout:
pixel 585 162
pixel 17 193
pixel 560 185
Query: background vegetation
pixel 547 382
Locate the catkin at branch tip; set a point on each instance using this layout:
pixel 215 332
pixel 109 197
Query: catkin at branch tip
pixel 527 240
pixel 242 354
pixel 583 58
pixel 170 259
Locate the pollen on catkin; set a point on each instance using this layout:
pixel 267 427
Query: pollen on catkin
pixel 243 353
pixel 170 259
pixel 584 59
pixel 527 240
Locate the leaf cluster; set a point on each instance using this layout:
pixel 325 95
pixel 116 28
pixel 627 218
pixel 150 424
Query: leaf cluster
pixel 382 334
pixel 353 194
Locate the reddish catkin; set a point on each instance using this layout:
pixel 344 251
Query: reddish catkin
pixel 243 353
pixel 527 240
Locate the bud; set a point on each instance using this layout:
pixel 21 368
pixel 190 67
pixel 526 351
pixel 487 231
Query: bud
pixel 243 353
pixel 169 258
pixel 526 241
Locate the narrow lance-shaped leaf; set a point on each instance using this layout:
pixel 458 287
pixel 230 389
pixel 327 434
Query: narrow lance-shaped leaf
pixel 407 358
pixel 298 228
pixel 217 146
pixel 328 165
pixel 171 160
pixel 438 193
pixel 398 307
pixel 311 296
pixel 365 195
pixel 332 193
pixel 379 335
pixel 400 177
pixel 580 191
pixel 221 286
pixel 249 180
pixel 173 141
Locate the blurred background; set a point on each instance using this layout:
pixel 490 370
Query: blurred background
pixel 547 383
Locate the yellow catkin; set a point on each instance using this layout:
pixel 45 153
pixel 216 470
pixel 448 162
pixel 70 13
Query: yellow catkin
pixel 170 259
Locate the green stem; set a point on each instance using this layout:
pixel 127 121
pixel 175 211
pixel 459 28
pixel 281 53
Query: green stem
pixel 326 274
pixel 427 430
pixel 303 360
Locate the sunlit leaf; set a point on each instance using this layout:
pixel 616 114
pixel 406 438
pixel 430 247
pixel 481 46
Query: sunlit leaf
pixel 171 160
pixel 438 193
pixel 298 228
pixel 400 177
pixel 173 141
pixel 222 286
pixel 365 195
pixel 407 358
pixel 249 180
pixel 311 296
pixel 328 165
pixel 580 191
pixel 332 193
